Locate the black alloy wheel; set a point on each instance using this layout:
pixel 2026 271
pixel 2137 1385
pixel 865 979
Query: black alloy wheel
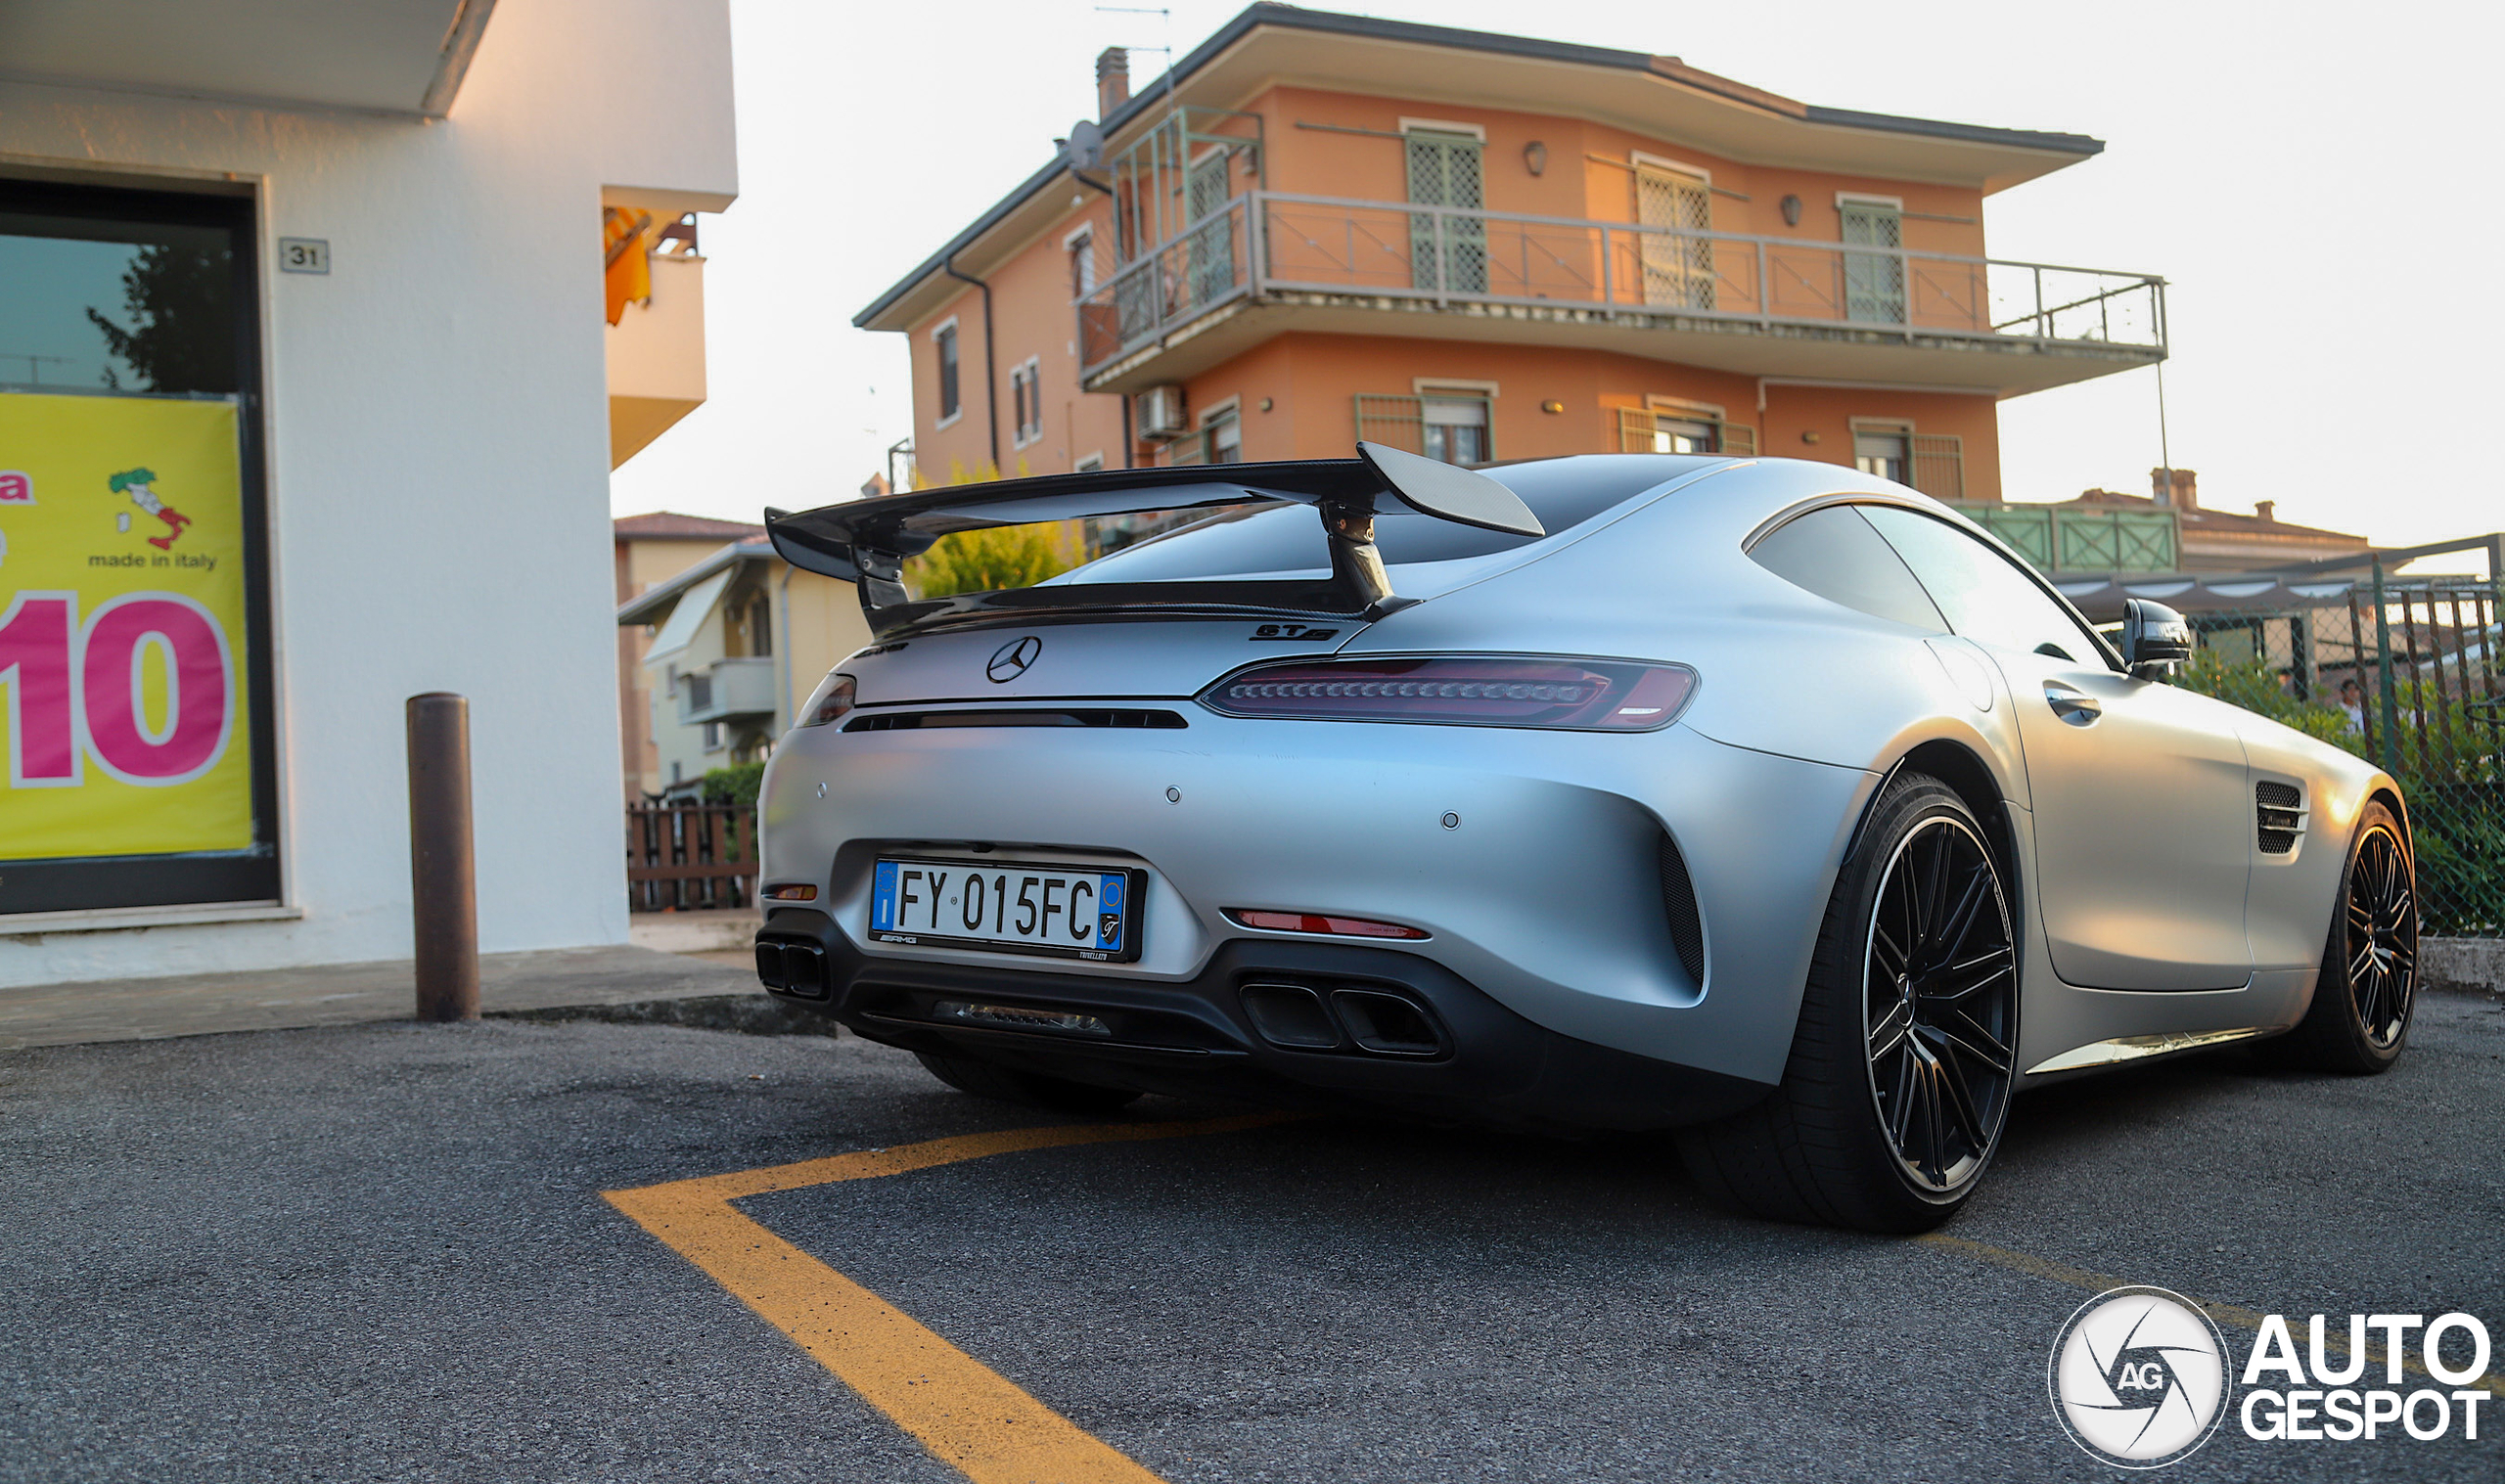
pixel 2381 947
pixel 1904 1056
pixel 1940 992
pixel 2367 986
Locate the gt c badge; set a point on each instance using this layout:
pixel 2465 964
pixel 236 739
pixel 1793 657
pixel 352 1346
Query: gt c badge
pixel 1011 659
pixel 1301 633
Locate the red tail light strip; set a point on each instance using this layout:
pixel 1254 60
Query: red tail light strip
pixel 1529 690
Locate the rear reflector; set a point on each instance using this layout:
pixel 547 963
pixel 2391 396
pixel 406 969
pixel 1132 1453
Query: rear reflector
pixel 792 894
pixel 1530 691
pixel 1308 922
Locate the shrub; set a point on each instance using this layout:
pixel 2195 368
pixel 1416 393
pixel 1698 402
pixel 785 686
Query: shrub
pixel 989 561
pixel 734 784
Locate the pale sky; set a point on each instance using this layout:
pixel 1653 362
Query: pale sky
pixel 2312 180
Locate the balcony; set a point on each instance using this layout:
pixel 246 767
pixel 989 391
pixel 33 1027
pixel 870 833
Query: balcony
pixel 1771 306
pixel 727 689
pixel 656 357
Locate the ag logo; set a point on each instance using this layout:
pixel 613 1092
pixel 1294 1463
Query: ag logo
pixel 2138 1377
pixel 1011 659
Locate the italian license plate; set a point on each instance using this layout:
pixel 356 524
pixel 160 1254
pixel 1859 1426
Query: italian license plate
pixel 1067 912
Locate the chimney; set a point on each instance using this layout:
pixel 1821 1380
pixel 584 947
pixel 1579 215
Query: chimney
pixel 2184 496
pixel 1113 81
pixel 2265 510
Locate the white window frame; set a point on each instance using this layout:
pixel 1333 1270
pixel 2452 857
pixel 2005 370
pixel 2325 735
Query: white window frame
pixel 1088 463
pixel 1032 370
pixel 1426 386
pixel 1844 199
pixel 1642 159
pixel 945 327
pixel 1083 237
pixel 1477 131
pixel 1232 407
pixel 1711 412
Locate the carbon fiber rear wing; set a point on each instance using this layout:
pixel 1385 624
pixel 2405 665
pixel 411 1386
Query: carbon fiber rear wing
pixel 865 542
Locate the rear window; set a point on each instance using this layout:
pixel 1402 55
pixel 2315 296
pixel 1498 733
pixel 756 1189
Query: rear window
pixel 1287 538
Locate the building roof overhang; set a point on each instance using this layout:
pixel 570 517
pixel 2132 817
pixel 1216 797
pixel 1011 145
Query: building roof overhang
pixel 1270 44
pixel 395 56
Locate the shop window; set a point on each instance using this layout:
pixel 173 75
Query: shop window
pixel 133 609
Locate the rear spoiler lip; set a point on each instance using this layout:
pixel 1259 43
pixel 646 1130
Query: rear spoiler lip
pixel 865 542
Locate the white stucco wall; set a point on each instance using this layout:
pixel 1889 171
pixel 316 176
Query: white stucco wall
pixel 437 459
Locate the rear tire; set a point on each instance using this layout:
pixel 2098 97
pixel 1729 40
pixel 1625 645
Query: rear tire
pixel 2367 988
pixel 1899 1084
pixel 1004 1084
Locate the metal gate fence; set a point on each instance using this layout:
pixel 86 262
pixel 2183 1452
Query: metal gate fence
pixel 2402 672
pixel 690 856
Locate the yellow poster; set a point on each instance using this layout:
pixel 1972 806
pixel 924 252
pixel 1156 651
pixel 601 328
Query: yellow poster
pixel 122 647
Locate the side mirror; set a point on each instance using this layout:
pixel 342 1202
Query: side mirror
pixel 2154 636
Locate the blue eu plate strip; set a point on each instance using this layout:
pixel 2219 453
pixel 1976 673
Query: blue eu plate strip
pixel 882 898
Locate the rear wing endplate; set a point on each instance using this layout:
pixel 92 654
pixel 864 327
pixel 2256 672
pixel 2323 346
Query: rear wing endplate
pixel 865 542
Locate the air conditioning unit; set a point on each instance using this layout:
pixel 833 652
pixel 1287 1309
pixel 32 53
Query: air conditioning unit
pixel 1158 413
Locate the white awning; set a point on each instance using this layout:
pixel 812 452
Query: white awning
pixel 689 616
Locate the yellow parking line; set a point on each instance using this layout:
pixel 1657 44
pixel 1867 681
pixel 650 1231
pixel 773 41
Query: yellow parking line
pixel 967 1414
pixel 2098 1282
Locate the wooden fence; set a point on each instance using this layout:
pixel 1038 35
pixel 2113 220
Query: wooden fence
pixel 690 856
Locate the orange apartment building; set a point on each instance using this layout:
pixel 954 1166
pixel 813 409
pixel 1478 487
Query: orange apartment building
pixel 1322 228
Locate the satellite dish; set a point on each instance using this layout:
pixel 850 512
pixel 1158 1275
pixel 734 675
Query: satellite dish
pixel 1084 148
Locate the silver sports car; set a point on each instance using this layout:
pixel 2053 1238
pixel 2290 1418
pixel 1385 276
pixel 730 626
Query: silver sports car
pixel 1757 800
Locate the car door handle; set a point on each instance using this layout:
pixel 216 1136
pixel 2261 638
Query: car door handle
pixel 2071 704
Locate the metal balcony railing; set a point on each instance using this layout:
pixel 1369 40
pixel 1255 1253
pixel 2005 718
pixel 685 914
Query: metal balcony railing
pixel 1265 244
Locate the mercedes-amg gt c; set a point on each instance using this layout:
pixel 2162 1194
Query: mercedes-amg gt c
pixel 1756 799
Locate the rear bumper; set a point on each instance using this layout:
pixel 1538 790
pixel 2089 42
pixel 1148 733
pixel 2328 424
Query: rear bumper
pixel 1531 859
pixel 1253 1023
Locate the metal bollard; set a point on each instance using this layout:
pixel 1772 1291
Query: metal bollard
pixel 442 874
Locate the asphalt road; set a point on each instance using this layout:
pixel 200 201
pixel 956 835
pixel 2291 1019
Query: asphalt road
pixel 382 1253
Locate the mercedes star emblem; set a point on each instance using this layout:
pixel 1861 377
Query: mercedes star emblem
pixel 1011 659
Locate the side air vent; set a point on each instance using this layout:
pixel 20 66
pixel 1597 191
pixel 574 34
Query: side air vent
pixel 2280 811
pixel 918 721
pixel 1678 905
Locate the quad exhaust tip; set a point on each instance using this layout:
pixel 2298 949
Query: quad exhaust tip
pixel 1373 1023
pixel 791 966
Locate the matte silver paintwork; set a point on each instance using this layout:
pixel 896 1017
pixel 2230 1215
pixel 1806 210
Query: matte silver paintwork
pixel 2146 908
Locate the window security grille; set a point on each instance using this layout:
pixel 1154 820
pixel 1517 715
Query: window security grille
pixel 1874 282
pixel 1446 250
pixel 1678 261
pixel 1458 427
pixel 1649 430
pixel 1938 465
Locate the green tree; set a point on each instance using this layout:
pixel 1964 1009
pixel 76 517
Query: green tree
pixel 180 302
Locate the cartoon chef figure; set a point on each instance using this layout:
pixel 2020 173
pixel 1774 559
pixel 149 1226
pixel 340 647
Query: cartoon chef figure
pixel 135 484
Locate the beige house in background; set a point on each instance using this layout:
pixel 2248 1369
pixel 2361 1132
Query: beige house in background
pixel 720 643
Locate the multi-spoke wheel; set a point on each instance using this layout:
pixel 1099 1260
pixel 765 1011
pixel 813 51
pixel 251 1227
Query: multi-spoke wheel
pixel 1902 1069
pixel 1940 991
pixel 2368 982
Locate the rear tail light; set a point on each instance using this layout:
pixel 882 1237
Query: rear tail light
pixel 1530 691
pixel 1312 921
pixel 830 703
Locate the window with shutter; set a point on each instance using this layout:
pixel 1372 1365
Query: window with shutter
pixel 1874 282
pixel 1448 251
pixel 1675 210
